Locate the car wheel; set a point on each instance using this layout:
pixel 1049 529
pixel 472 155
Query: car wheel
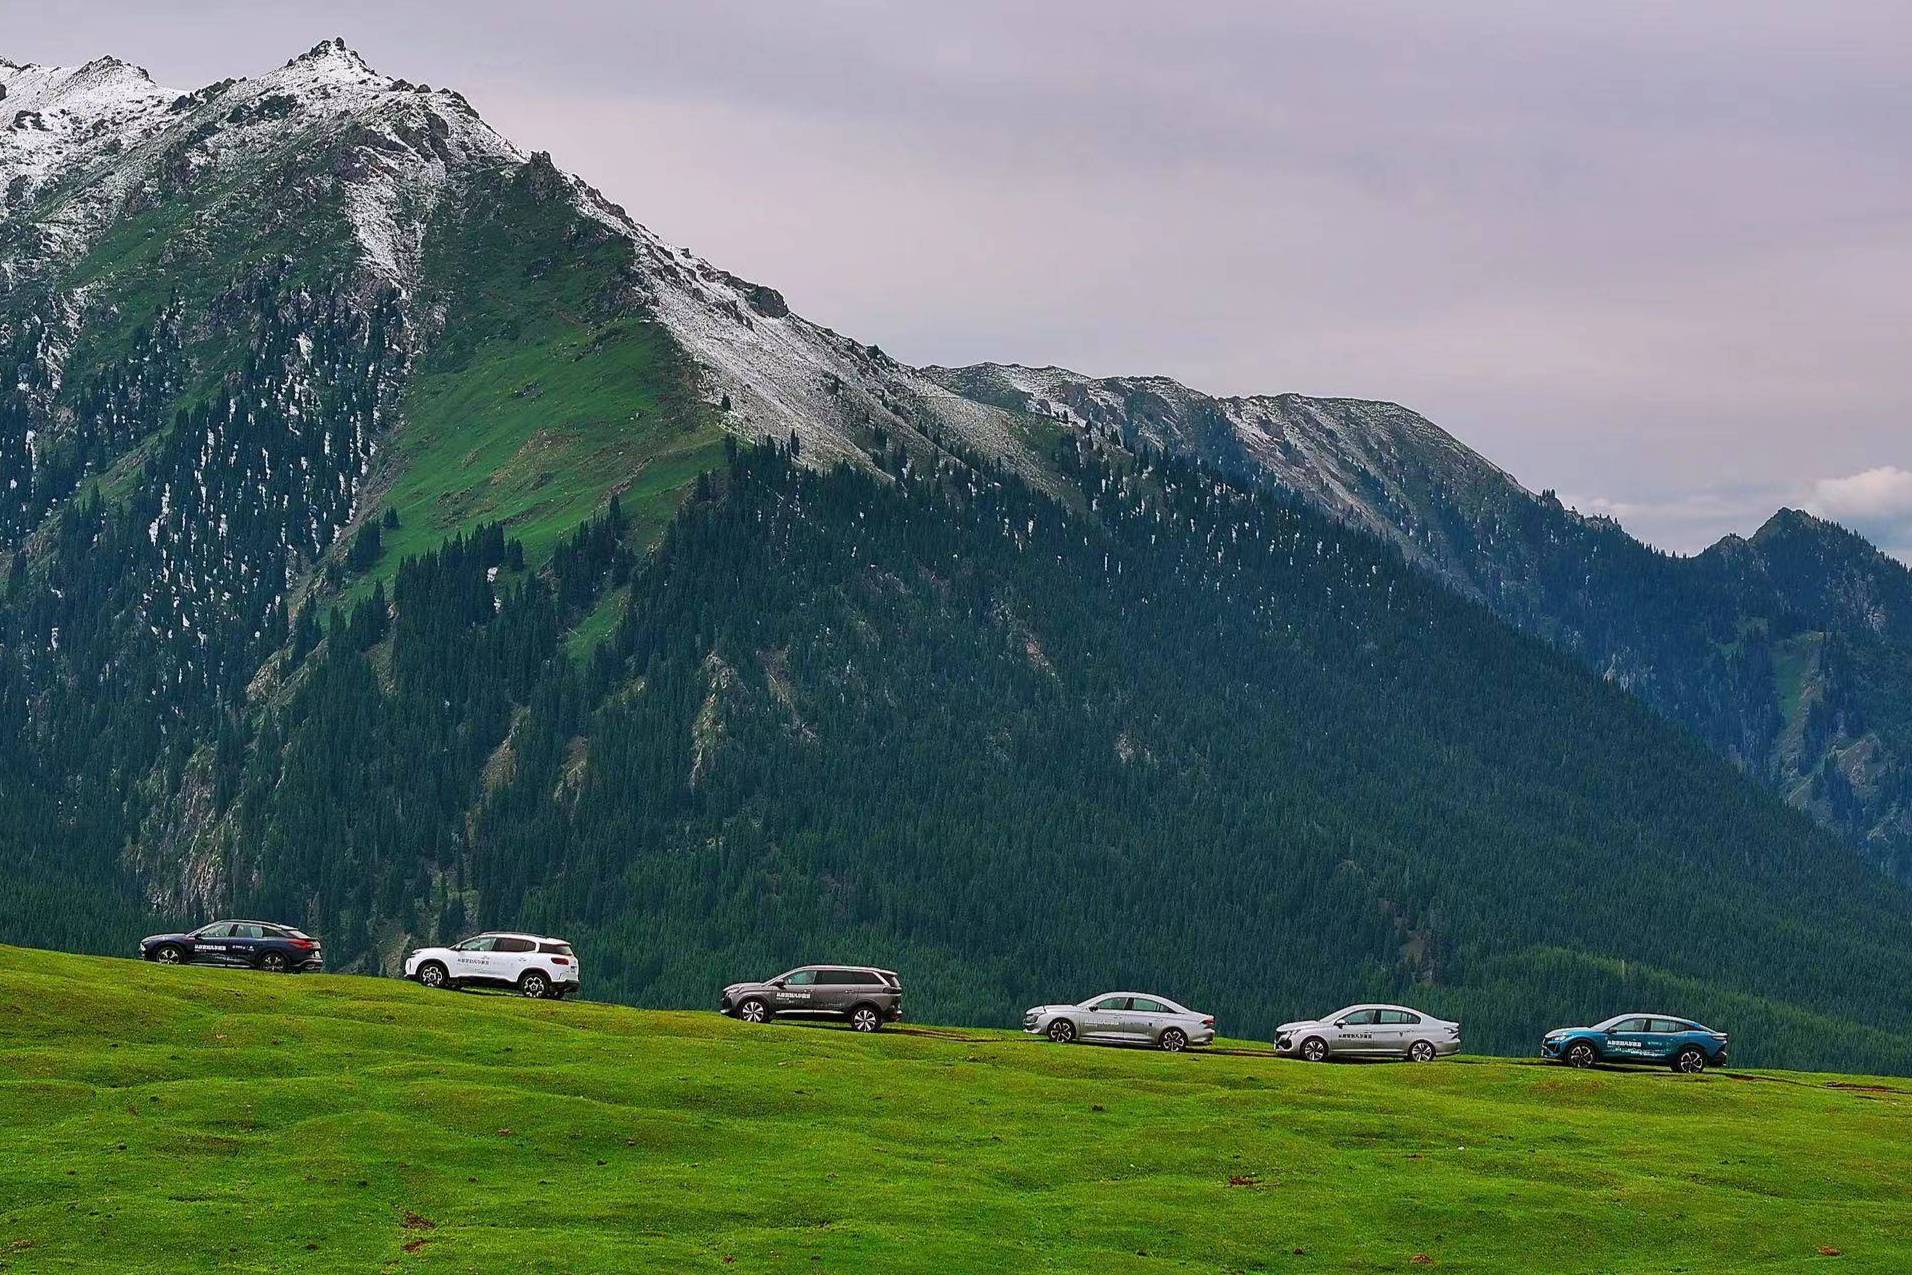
pixel 1174 1040
pixel 432 974
pixel 1581 1054
pixel 865 1019
pixel 1421 1051
pixel 273 963
pixel 1314 1049
pixel 1690 1061
pixel 1062 1031
pixel 169 955
pixel 535 985
pixel 754 1011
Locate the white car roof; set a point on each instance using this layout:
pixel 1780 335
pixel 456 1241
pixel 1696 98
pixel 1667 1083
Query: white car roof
pixel 1154 996
pixel 514 934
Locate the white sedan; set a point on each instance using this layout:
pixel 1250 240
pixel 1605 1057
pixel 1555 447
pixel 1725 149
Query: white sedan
pixel 1370 1031
pixel 1132 1018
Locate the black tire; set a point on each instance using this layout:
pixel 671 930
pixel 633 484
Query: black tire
pixel 535 985
pixel 1314 1049
pixel 1173 1040
pixel 433 975
pixel 169 954
pixel 1580 1054
pixel 274 963
pixel 754 1009
pixel 1690 1061
pixel 1421 1051
pixel 1062 1032
pixel 865 1018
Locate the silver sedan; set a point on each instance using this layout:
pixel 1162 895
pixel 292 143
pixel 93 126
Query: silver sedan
pixel 1370 1031
pixel 1132 1018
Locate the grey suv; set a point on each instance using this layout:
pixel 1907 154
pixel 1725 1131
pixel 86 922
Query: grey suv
pixel 861 995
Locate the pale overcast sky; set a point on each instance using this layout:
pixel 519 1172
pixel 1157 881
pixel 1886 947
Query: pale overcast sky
pixel 1655 256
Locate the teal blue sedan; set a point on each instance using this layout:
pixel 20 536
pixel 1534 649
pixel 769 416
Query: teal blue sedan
pixel 1679 1043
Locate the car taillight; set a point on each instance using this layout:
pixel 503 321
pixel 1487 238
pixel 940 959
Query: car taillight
pixel 1208 1022
pixel 560 960
pixel 304 945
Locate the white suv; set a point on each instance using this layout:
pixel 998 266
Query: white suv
pixel 526 963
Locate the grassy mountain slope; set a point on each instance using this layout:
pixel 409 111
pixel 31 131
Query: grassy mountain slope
pixel 167 1120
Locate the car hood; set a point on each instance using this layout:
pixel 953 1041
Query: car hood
pixel 1300 1024
pixel 164 938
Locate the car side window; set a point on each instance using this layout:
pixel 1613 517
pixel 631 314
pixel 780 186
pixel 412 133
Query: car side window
pixel 1629 1025
pixel 1112 1004
pixel 248 931
pixel 801 978
pixel 223 931
pixel 1141 1006
pixel 1667 1025
pixel 515 945
pixel 1361 1018
pixel 832 978
pixel 475 945
pixel 1399 1017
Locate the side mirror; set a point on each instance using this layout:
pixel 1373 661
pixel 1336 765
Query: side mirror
pixel 776 982
pixel 1340 1022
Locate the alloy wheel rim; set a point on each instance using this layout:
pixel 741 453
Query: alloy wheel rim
pixel 1314 1051
pixel 865 1020
pixel 1691 1063
pixel 753 1012
pixel 1173 1041
pixel 431 977
pixel 534 986
pixel 1061 1033
pixel 167 956
pixel 1423 1052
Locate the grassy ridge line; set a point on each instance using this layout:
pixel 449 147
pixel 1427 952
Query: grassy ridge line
pixel 169 1120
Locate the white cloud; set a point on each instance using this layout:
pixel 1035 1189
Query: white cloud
pixel 1885 491
pixel 1876 502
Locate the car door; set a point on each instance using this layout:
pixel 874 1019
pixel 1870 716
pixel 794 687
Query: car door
pixel 244 944
pixel 796 993
pixel 1105 1018
pixel 1664 1037
pixel 211 945
pixel 471 960
pixel 510 958
pixel 1355 1032
pixel 1629 1039
pixel 1147 1018
pixel 1392 1030
pixel 830 994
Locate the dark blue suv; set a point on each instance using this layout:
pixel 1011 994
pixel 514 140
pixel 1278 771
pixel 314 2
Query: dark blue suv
pixel 277 949
pixel 1680 1043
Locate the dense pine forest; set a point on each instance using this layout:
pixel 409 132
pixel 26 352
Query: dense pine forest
pixel 1174 733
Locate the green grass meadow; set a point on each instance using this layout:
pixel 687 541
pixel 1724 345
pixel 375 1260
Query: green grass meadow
pixel 167 1120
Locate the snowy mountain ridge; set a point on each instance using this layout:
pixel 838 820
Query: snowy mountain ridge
pixel 89 144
